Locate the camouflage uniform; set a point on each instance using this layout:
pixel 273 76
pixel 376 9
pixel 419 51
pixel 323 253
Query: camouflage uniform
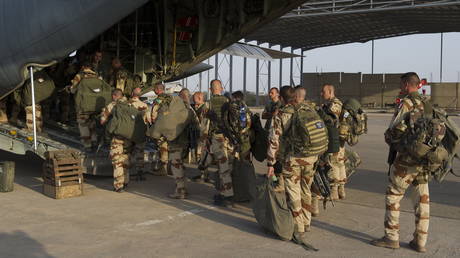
pixel 221 151
pixel 86 122
pixel 138 152
pixel 119 79
pixel 30 117
pixel 297 173
pixel 119 149
pixel 404 172
pixel 3 113
pixel 337 174
pixel 269 109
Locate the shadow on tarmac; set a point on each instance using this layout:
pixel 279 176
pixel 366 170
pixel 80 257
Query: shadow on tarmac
pixel 20 244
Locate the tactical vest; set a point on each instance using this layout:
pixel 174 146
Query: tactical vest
pixel 215 105
pixel 44 89
pixel 92 95
pixel 127 121
pixel 308 134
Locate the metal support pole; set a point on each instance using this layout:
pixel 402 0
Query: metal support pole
pixel 186 82
pixel 230 74
pixel 269 75
pixel 216 66
pixel 291 72
pixel 301 67
pixel 32 87
pixel 245 65
pixel 257 82
pixel 440 65
pixel 135 43
pixel 281 71
pixel 118 40
pixel 200 77
pixel 208 90
pixel 372 64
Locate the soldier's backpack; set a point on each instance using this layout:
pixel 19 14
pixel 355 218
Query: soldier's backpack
pixel 353 122
pixel 332 131
pixel 215 111
pixel 92 95
pixel 243 180
pixel 127 121
pixel 352 161
pixel 259 145
pixel 432 138
pixel 271 209
pixel 236 118
pixel 308 135
pixel 44 88
pixel 171 121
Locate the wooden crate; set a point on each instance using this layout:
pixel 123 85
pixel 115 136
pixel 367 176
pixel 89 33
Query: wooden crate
pixel 62 174
pixel 62 192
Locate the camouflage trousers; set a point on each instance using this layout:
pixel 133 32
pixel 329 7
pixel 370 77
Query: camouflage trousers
pixel 177 167
pixel 298 176
pixel 38 118
pixel 338 173
pixel 221 151
pixel 119 149
pixel 3 114
pixel 163 151
pixel 87 127
pixel 401 177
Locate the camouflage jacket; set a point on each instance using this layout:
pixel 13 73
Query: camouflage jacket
pixel 334 107
pixel 161 100
pixel 107 110
pixel 200 112
pixel 137 103
pixel 279 128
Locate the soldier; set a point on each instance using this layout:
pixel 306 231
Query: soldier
pixel 219 145
pixel 86 122
pixel 406 171
pixel 185 95
pixel 337 174
pixel 150 117
pixel 271 109
pixel 119 146
pixel 201 108
pixel 96 62
pixel 298 170
pixel 119 75
pixel 300 94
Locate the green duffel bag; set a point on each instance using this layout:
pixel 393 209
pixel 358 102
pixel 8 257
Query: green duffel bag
pixel 271 209
pixel 92 95
pixel 44 89
pixel 352 162
pixel 127 122
pixel 171 121
pixel 243 180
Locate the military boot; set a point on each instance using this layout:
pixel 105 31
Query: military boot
pixel 341 192
pixel 417 247
pixel 334 193
pixel 162 171
pixel 300 239
pixel 314 206
pixel 385 242
pixel 178 195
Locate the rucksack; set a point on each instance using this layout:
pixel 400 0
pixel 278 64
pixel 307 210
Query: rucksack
pixel 431 137
pixel 236 118
pixel 353 122
pixel 308 135
pixel 92 95
pixel 332 131
pixel 215 107
pixel 127 122
pixel 352 161
pixel 44 88
pixel 173 118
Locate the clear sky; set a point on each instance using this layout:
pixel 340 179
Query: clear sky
pixel 419 53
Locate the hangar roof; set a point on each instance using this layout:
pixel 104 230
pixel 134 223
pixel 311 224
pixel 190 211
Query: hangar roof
pixel 325 23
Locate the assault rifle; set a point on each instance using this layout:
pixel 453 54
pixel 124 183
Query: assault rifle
pixel 391 157
pixel 321 181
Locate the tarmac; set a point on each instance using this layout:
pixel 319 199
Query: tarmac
pixel 144 222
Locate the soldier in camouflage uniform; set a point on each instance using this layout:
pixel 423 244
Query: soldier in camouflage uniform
pixel 337 174
pixel 150 117
pixel 86 122
pixel 297 173
pixel 271 109
pixel 137 157
pixel 201 108
pixel 219 145
pixel 119 146
pixel 406 171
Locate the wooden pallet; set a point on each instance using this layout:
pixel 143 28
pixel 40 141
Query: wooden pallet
pixel 62 174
